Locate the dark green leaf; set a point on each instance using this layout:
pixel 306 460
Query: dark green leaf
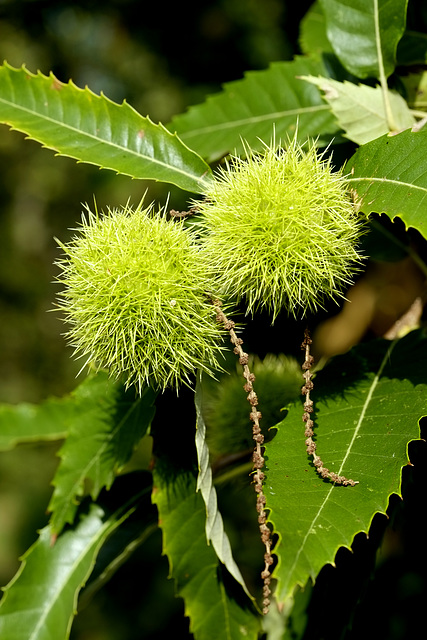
pixel 40 602
pixel 367 405
pixel 412 48
pixel 108 423
pixel 365 33
pixel 253 108
pixel 125 539
pixel 389 175
pixel 216 605
pixel 90 128
pixel 386 241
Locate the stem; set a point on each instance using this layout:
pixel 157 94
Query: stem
pixel 383 80
pixel 417 113
pixel 420 124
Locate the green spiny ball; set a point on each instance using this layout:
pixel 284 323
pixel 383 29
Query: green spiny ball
pixel 280 230
pixel 135 295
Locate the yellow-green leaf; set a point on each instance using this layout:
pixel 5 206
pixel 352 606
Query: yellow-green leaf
pixel 359 109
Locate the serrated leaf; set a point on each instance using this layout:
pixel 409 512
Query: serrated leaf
pixel 359 109
pixel 79 124
pixel 389 175
pixel 40 602
pixel 108 423
pixel 367 405
pixel 252 108
pixel 214 526
pixel 215 609
pixel 364 33
pixel 49 420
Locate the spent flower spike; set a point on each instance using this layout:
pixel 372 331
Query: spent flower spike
pixel 135 297
pixel 280 230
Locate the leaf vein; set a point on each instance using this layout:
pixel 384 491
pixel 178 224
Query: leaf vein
pixel 251 120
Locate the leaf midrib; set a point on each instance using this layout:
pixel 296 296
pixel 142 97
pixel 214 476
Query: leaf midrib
pixel 399 183
pixel 81 132
pixel 243 121
pixel 378 39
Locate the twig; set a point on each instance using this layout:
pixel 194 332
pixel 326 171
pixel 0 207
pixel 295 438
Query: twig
pixel 181 214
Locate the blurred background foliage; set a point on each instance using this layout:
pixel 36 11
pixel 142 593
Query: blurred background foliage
pixel 161 59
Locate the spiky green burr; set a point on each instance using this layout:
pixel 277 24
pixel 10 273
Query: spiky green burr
pixel 135 297
pixel 280 230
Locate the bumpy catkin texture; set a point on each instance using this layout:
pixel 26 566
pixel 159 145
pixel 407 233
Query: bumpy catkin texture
pixel 280 230
pixel 135 297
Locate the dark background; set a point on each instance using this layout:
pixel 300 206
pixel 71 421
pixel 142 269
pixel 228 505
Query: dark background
pixel 161 59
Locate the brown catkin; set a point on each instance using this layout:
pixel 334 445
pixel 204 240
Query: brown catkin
pixel 257 457
pixel 307 418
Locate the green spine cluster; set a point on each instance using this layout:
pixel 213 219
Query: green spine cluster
pixel 135 297
pixel 280 230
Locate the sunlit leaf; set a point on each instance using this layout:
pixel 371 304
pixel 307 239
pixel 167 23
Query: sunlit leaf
pixel 359 109
pixel 215 532
pixel 79 124
pixel 367 405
